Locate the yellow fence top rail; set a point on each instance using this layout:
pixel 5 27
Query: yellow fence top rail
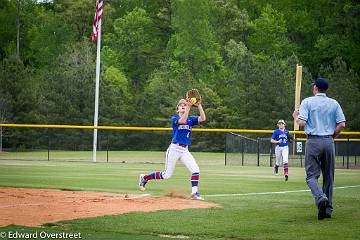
pixel 126 128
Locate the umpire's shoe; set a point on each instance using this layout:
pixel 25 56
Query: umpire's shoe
pixel 323 204
pixel 286 177
pixel 142 182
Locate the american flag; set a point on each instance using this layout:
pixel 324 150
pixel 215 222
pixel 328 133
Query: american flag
pixel 97 18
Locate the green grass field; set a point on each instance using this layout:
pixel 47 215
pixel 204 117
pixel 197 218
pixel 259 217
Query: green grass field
pixel 250 159
pixel 267 216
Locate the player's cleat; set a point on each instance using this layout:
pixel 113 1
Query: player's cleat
pixel 276 170
pixel 196 196
pixel 142 182
pixel 322 209
pixel 286 178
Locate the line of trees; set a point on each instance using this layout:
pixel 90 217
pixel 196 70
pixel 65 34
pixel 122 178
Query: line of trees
pixel 241 54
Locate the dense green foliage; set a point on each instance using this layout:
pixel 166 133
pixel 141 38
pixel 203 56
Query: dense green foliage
pixel 242 55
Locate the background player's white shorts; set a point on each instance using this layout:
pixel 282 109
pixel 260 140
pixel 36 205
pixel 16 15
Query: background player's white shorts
pixel 175 152
pixel 281 153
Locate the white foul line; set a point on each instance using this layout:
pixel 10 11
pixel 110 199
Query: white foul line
pixel 269 193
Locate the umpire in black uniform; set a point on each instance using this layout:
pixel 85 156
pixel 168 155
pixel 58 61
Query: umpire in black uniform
pixel 323 119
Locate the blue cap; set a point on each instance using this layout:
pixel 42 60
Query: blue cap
pixel 321 83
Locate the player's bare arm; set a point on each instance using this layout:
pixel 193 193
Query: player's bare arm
pixel 202 116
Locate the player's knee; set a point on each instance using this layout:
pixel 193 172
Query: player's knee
pixel 195 170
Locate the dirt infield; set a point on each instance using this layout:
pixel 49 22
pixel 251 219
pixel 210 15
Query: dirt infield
pixel 35 207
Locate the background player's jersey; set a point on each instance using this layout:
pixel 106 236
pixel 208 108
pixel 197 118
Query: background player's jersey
pixel 182 132
pixel 281 135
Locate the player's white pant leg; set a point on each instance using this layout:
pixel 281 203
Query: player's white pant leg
pixel 278 155
pixel 189 161
pixel 285 154
pixel 173 153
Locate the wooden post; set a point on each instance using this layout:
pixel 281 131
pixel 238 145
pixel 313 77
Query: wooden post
pixel 297 91
pixel 1 134
pixel 297 99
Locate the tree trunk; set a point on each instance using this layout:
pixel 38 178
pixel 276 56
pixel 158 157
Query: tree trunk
pixel 18 28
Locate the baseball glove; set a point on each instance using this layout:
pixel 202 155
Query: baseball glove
pixel 193 94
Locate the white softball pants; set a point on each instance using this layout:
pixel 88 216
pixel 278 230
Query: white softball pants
pixel 281 153
pixel 174 153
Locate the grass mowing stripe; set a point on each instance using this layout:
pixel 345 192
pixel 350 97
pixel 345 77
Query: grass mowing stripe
pixel 270 193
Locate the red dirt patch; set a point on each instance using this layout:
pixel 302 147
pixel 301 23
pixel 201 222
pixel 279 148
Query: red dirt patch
pixel 34 207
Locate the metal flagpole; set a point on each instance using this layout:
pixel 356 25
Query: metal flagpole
pixel 96 112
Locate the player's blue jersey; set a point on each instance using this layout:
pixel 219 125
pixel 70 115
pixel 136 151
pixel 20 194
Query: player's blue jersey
pixel 281 135
pixel 182 132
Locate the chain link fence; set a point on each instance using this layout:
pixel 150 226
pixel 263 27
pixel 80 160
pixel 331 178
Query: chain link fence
pixel 76 145
pixel 247 151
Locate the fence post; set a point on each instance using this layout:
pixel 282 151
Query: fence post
pixel 270 163
pixel 1 136
pixel 258 152
pixel 48 152
pixel 347 153
pixel 242 152
pixel 226 147
pixel 355 159
pixel 301 154
pixel 107 149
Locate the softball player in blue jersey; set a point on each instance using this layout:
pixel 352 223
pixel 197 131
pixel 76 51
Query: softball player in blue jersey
pixel 281 138
pixel 179 148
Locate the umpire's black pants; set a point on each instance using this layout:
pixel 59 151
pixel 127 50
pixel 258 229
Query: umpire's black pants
pixel 320 156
